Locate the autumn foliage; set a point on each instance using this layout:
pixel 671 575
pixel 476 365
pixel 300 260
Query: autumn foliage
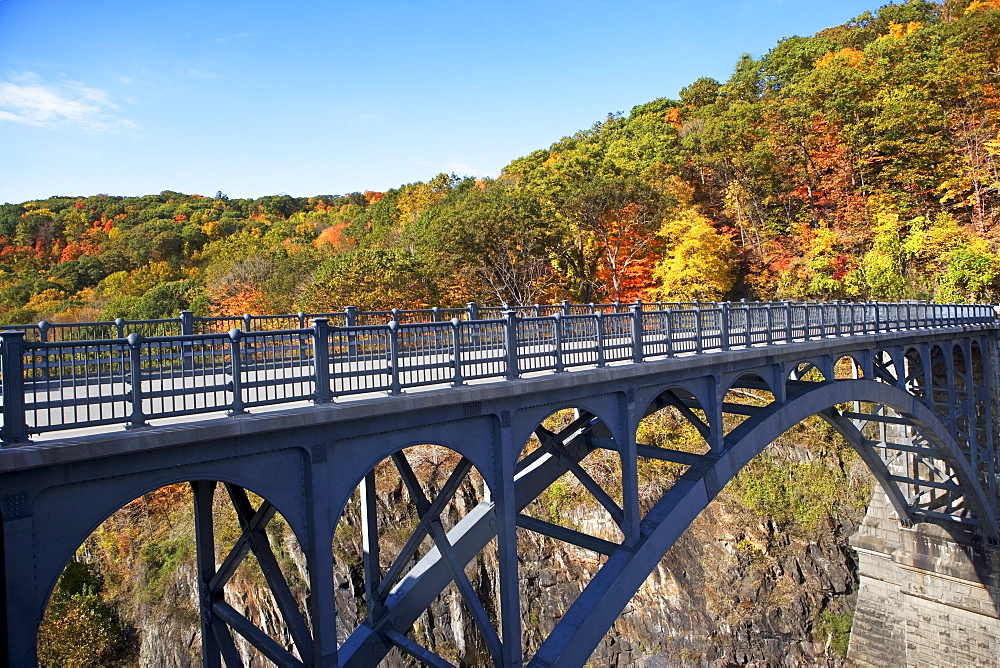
pixel 858 163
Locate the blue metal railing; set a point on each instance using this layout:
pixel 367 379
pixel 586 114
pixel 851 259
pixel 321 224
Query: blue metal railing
pixel 57 377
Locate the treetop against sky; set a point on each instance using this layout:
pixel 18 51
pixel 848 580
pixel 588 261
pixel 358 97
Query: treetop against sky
pixel 255 98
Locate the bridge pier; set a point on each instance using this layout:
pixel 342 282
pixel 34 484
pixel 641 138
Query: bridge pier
pixel 927 596
pixel 21 622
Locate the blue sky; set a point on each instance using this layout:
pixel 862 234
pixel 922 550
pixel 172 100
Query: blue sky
pixel 253 98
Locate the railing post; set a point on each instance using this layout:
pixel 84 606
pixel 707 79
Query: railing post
pixel 636 310
pixel 137 419
pixel 769 323
pixel 321 359
pixel 43 336
pixel 436 314
pixel 236 355
pixel 839 318
pixel 394 385
pixel 473 309
pixel 510 343
pixel 187 323
pixel 747 323
pixel 601 358
pixel 668 327
pixel 724 326
pixel 699 344
pixel 456 346
pixel 187 348
pixel 15 427
pixel 351 320
pixel 788 322
pixel 566 307
pixel 557 318
pixel 247 322
pixel 875 320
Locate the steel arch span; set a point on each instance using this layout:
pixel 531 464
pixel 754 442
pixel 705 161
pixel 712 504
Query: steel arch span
pixel 578 633
pixel 910 387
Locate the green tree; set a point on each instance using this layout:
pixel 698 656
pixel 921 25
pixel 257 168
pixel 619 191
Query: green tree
pixel 79 628
pixel 488 240
pixel 371 279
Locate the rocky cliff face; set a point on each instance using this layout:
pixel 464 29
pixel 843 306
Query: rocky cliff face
pixel 736 589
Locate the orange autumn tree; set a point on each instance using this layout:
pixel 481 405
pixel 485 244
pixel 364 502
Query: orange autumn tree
pixel 332 235
pixel 628 252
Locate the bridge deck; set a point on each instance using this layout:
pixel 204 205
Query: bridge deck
pixel 300 416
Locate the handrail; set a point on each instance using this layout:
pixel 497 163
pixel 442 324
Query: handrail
pixel 188 323
pixel 61 381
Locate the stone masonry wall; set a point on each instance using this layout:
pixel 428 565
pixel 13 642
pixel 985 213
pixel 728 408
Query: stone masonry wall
pixel 927 596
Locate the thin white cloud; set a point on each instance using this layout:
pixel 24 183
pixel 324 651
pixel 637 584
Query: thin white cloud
pixel 463 169
pixel 26 99
pixel 198 73
pixel 226 39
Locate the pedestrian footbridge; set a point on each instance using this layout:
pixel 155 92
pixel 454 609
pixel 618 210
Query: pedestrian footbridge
pixel 300 414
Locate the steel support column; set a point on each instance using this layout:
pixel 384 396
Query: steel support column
pixel 204 532
pixel 505 509
pixel 23 614
pixel 319 560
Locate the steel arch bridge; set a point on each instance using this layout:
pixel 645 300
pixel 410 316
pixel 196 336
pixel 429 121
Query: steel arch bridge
pixel 911 394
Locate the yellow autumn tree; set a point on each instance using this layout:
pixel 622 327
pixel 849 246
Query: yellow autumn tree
pixel 697 260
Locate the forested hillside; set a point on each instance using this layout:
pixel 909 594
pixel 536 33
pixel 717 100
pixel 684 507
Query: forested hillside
pixel 859 163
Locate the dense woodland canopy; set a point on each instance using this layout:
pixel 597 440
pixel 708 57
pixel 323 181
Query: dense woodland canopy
pixel 860 163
